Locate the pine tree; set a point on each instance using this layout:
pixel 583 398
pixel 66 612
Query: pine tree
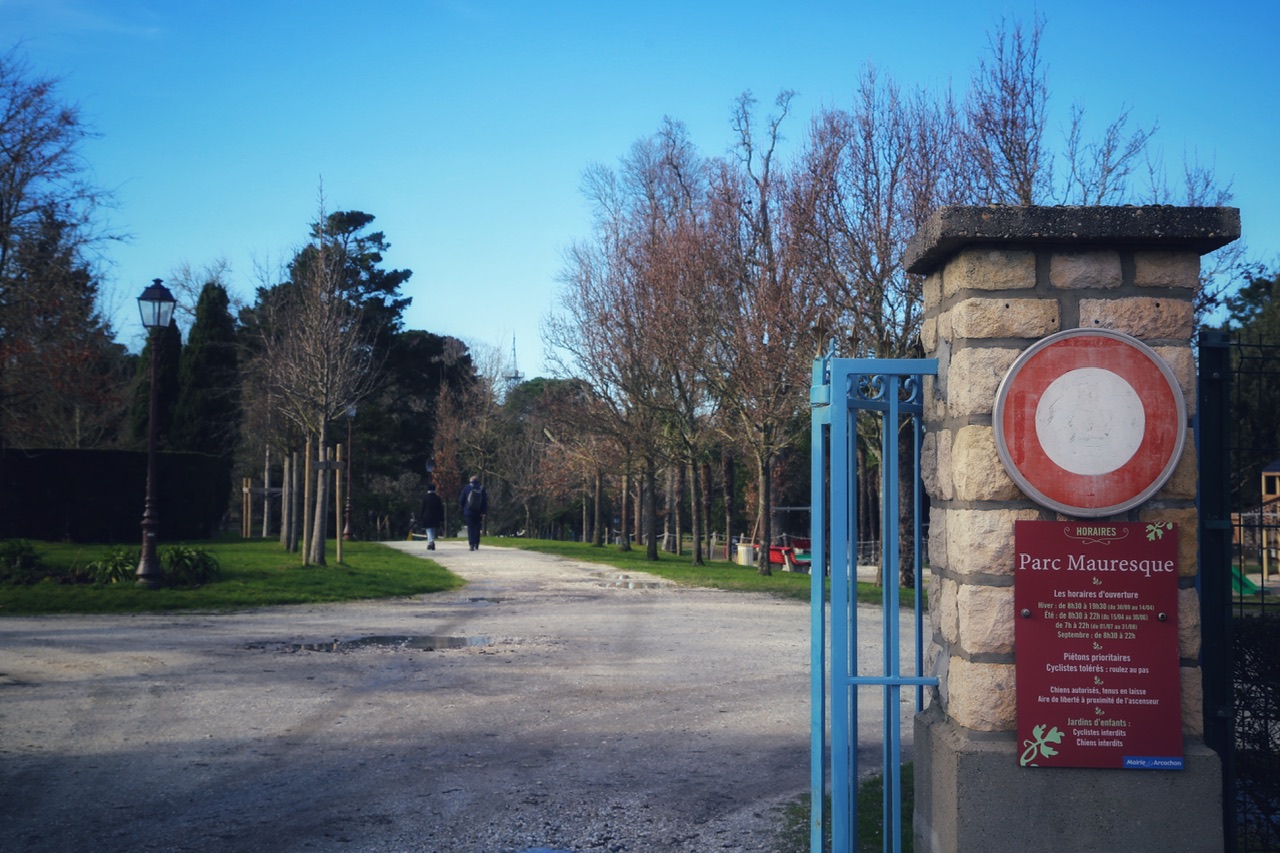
pixel 206 414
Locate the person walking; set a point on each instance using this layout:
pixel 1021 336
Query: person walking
pixel 432 515
pixel 475 506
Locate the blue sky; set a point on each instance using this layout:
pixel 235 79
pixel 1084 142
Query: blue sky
pixel 465 125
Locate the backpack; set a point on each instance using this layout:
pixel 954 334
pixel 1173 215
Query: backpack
pixel 475 500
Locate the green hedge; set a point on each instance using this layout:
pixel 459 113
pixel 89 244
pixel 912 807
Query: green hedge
pixel 98 495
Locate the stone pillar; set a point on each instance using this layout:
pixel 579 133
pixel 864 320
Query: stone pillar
pixel 999 279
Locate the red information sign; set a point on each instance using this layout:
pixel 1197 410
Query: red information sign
pixel 1097 645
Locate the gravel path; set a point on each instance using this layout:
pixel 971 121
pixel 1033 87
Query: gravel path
pixel 580 710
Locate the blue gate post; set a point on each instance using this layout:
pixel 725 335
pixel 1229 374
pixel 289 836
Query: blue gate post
pixel 842 388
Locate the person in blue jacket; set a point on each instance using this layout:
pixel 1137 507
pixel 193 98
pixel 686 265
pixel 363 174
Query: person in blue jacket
pixel 474 502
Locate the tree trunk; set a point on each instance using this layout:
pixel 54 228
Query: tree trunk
pixel 764 474
pixel 598 529
pixel 727 460
pixel 651 506
pixel 705 532
pixel 906 506
pixel 266 493
pixel 637 506
pixel 319 529
pixel 695 510
pixel 286 494
pixel 308 476
pixel 677 505
pixel 624 520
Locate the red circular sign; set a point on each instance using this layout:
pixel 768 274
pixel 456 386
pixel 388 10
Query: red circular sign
pixel 1090 422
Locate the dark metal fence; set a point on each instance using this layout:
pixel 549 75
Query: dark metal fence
pixel 1238 430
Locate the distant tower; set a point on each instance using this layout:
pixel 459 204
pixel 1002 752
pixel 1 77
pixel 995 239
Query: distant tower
pixel 515 377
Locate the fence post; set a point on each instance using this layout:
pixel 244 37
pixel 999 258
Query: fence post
pixel 1213 436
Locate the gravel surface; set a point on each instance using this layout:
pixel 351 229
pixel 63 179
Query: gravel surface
pixel 547 705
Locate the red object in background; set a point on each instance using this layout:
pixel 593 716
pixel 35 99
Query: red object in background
pixel 1096 633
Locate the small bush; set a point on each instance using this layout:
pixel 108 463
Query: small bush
pixel 20 562
pixel 119 565
pixel 186 566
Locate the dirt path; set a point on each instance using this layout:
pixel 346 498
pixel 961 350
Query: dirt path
pixel 580 711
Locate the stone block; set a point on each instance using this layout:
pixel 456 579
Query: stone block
pixel 932 290
pixel 938 537
pixel 985 615
pixel 944 327
pixel 1192 701
pixel 990 269
pixel 948 612
pixel 1079 270
pixel 980 541
pixel 1188 624
pixel 1182 483
pixel 929 334
pixel 978 318
pixel 976 469
pixel 935 464
pixel 929 464
pixel 1141 316
pixel 1182 363
pixel 946 483
pixel 982 695
pixel 1166 269
pixel 973 378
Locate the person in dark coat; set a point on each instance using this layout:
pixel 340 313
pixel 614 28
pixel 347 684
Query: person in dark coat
pixel 474 503
pixel 432 515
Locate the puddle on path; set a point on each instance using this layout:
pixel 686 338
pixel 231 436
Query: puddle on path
pixel 418 643
pixel 626 582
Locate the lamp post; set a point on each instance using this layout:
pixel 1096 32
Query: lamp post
pixel 346 526
pixel 156 307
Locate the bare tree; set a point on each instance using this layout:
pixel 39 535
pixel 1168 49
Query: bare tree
pixel 603 334
pixel 42 166
pixel 1098 172
pixel 765 301
pixel 1006 115
pixel 317 358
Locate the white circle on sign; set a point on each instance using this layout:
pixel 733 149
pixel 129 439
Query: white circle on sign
pixel 1090 421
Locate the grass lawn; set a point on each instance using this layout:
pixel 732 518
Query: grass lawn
pixel 677 569
pixel 255 573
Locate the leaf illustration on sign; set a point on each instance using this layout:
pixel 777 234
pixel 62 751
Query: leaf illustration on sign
pixel 1156 530
pixel 1039 746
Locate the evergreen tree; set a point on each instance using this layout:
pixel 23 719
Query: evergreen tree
pixel 1253 321
pixel 206 414
pixel 168 349
pixel 62 378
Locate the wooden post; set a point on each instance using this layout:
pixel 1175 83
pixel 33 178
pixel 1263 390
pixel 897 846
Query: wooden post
pixel 307 466
pixel 266 494
pixel 244 507
pixel 284 502
pixel 295 494
pixel 337 498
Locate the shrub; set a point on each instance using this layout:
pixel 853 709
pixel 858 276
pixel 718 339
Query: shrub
pixel 186 566
pixel 20 562
pixel 118 565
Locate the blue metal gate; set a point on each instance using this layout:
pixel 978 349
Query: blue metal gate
pixel 890 392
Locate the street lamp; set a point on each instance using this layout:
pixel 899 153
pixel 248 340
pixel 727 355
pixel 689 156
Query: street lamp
pixel 156 307
pixel 346 527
